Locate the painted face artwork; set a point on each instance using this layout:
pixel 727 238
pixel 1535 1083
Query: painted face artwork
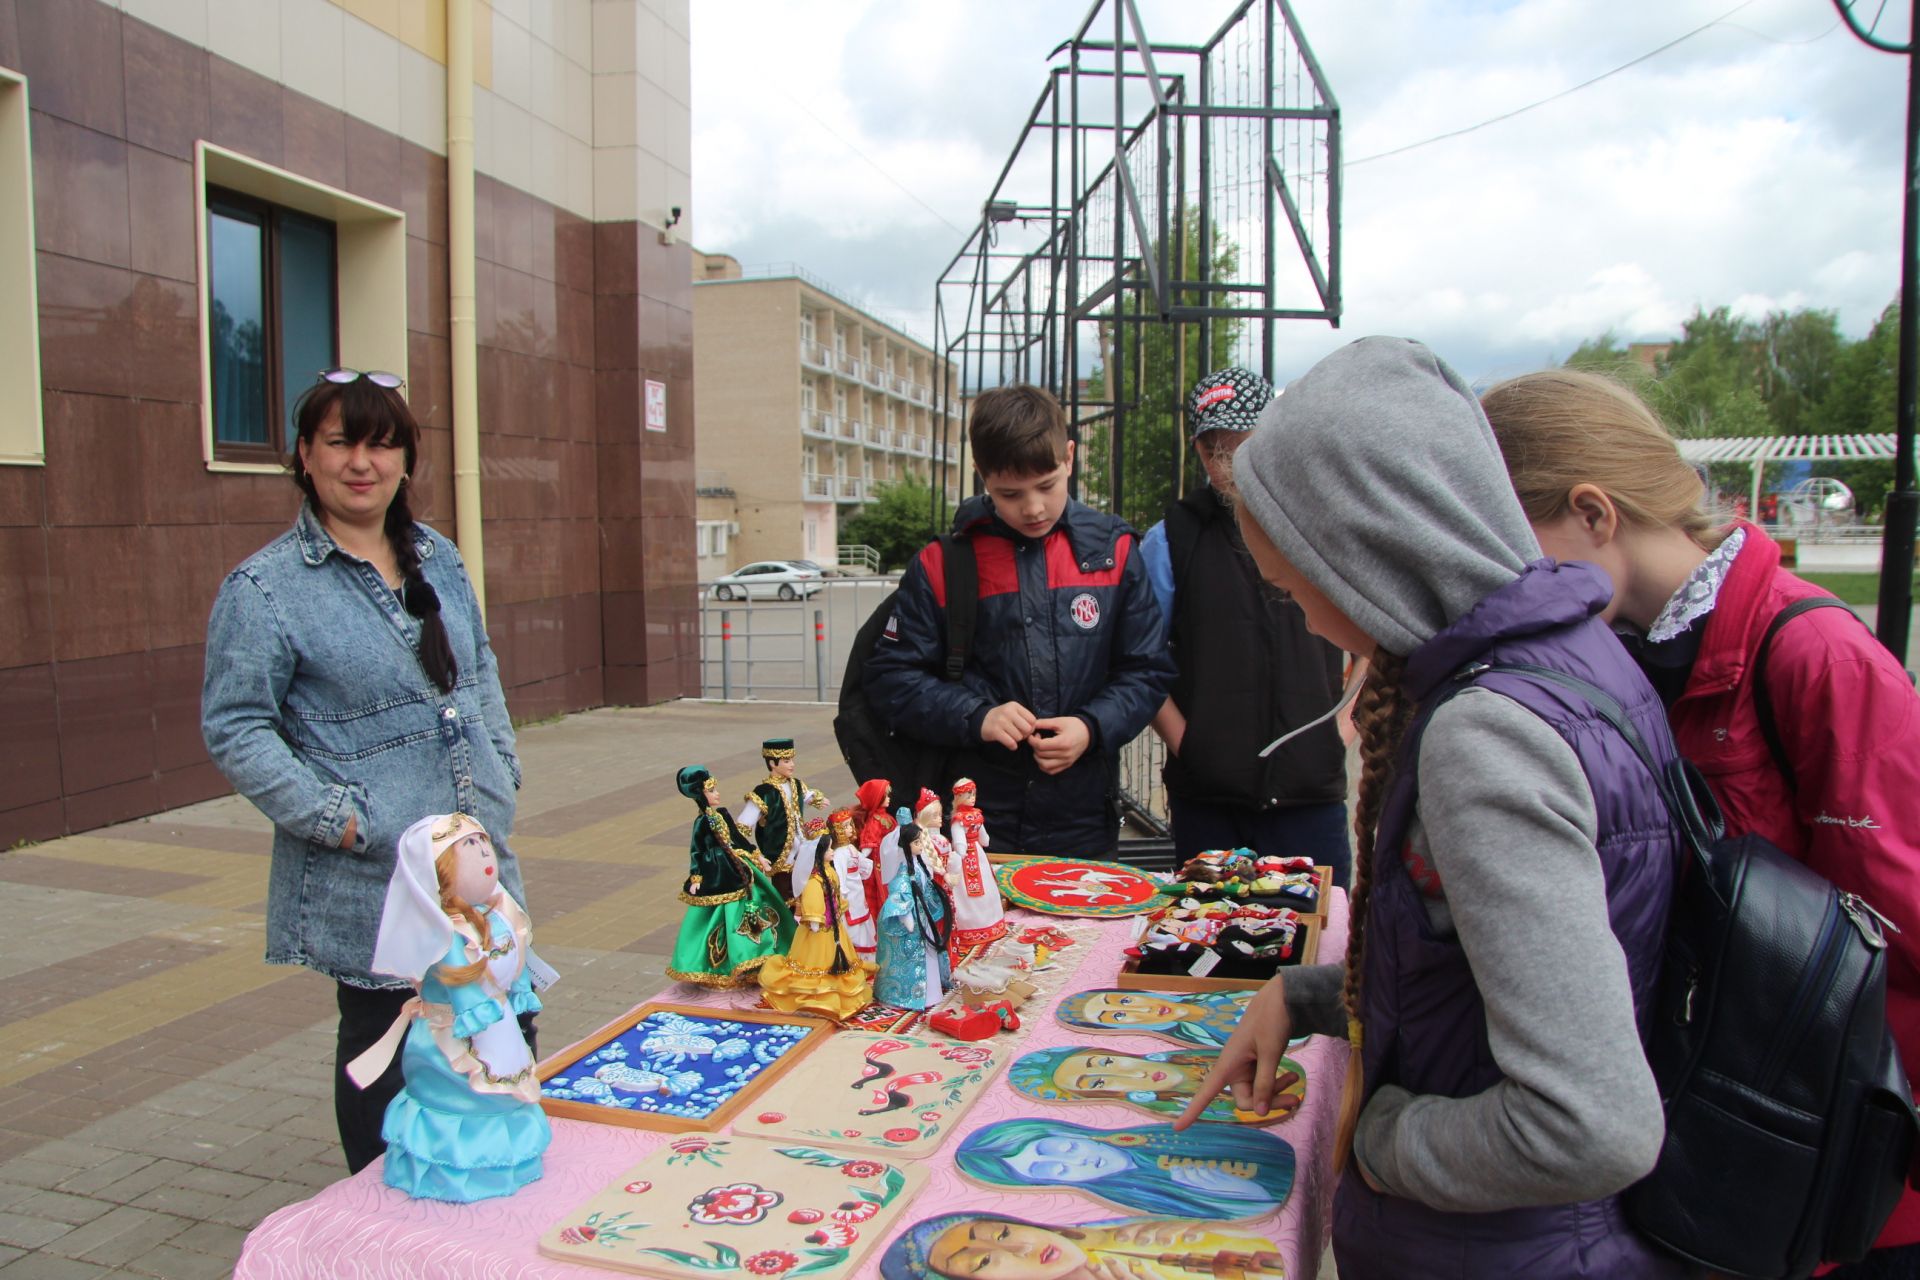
pixel 1131 1008
pixel 1212 1171
pixel 965 1246
pixel 476 871
pixel 1115 1073
pixel 1159 1083
pixel 1005 1251
pixel 1204 1018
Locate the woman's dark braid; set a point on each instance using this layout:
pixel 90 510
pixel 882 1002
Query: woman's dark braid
pixel 418 595
pixel 1381 714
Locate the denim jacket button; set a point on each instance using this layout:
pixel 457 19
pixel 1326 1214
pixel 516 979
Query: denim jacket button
pixel 451 713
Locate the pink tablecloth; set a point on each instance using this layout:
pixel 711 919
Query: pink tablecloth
pixel 359 1227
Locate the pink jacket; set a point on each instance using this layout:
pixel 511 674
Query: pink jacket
pixel 1850 722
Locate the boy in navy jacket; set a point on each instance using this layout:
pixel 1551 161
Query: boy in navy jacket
pixel 1068 662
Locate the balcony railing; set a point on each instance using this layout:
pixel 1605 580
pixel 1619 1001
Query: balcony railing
pixel 851 488
pixel 917 445
pixel 879 437
pixel 818 486
pixel 816 422
pixel 847 429
pixel 816 354
pixel 918 393
pixel 851 366
pixel 876 377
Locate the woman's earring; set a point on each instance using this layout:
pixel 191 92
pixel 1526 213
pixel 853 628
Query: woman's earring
pixel 403 481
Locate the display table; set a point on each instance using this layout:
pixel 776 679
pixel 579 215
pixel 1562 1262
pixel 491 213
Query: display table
pixel 359 1227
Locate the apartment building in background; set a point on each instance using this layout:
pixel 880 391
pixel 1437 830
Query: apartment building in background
pixel 205 202
pixel 806 404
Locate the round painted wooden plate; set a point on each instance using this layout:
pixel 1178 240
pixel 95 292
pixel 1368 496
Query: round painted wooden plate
pixel 1069 887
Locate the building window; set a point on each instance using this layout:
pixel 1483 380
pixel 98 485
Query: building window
pixel 295 277
pixel 22 442
pixel 273 278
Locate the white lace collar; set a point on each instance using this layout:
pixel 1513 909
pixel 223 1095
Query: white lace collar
pixel 1696 597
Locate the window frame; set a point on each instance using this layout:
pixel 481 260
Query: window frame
pixel 279 442
pixel 22 407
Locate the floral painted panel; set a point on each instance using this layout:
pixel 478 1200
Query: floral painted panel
pixel 863 1091
pixel 726 1208
pixel 675 1065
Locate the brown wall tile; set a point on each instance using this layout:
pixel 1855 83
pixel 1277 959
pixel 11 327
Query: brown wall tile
pixel 106 721
pixel 22 496
pixel 623 630
pixel 314 139
pixel 573 251
pixel 423 192
pixel 184 567
pixel 99 593
pixel 249 499
pixel 29 725
pixel 26 613
pixel 616 332
pixel 580 567
pixel 585 689
pixel 244 111
pixel 86 325
pixel 93 460
pixel 190 785
pixel 373 165
pixel 164 362
pixel 71 54
pixel 238 541
pixel 581 630
pixel 616 266
pixel 174 480
pixel 90 810
pixel 34 822
pixel 580 393
pixel 79 191
pixel 618 480
pixel 9 35
pixel 622 554
pixel 166 84
pixel 177 677
pixel 161 188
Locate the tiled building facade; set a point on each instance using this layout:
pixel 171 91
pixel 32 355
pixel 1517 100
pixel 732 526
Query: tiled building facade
pixel 807 405
pixel 121 504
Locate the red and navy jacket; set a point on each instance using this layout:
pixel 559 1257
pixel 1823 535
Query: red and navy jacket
pixel 1067 625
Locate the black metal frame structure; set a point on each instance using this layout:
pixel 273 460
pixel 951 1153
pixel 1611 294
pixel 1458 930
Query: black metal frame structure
pixel 1133 146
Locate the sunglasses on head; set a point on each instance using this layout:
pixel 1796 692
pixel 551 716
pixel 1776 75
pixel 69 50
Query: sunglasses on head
pixel 378 377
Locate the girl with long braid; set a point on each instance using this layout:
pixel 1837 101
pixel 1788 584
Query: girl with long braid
pixel 1515 860
pixel 350 690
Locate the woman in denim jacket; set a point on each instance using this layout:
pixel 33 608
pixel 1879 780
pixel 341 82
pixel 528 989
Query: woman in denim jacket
pixel 350 690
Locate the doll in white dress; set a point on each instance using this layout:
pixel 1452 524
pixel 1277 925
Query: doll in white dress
pixel 853 869
pixel 979 917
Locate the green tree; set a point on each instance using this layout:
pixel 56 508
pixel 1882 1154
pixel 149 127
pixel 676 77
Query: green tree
pixel 1708 384
pixel 895 523
pixel 1604 354
pixel 1161 362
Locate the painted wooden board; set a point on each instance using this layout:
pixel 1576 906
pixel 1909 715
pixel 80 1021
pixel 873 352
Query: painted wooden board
pixel 894 1094
pixel 675 1068
pixel 1157 1083
pixel 1071 887
pixel 983 1244
pixel 1203 1019
pixel 734 1208
pixel 1208 1171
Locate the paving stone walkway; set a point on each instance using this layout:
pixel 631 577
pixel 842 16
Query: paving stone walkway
pixel 162 1089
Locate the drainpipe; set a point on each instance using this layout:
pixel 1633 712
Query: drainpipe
pixel 460 271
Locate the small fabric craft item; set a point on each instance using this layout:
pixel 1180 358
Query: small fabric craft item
pixel 468 1125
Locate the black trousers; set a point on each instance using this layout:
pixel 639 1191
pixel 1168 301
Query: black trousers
pixel 364 1017
pixel 1901 1263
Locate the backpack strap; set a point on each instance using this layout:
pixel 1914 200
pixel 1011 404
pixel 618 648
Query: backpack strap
pixel 1762 698
pixel 963 599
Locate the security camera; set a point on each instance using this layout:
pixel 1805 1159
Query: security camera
pixel 673 216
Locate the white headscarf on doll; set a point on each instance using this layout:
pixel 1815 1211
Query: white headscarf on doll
pixel 415 929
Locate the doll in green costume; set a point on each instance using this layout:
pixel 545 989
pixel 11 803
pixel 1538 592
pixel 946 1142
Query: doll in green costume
pixel 735 918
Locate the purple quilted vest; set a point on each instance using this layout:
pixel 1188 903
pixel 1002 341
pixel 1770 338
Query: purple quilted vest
pixel 1425 1023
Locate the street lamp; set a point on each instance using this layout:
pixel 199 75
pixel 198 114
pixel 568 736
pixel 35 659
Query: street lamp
pixel 1903 504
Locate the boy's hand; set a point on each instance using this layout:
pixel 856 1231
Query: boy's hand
pixel 1007 724
pixel 1058 741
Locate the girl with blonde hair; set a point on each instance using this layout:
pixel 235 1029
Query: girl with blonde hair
pixel 1515 860
pixel 1836 780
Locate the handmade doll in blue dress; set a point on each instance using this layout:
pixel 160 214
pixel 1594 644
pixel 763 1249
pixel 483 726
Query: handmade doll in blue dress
pixel 468 1124
pixel 915 925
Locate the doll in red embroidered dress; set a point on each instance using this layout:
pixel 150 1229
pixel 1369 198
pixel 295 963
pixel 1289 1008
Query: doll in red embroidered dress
pixel 872 801
pixel 979 916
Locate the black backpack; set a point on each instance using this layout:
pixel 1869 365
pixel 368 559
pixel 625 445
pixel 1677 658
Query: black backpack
pixel 870 749
pixel 1789 1124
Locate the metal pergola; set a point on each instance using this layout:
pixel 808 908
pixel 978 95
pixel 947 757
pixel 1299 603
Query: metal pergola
pixel 1758 451
pixel 1142 166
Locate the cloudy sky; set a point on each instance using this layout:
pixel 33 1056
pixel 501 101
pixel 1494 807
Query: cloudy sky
pixel 1756 164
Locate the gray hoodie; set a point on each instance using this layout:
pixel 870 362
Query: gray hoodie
pixel 1377 477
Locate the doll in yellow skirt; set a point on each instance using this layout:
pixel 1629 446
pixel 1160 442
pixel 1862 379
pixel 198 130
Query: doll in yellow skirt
pixel 821 973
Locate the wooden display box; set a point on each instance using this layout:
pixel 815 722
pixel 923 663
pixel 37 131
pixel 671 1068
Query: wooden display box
pixel 815 1033
pixel 1131 979
pixel 1318 915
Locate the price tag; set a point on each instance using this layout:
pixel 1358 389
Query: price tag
pixel 1204 965
pixel 1138 927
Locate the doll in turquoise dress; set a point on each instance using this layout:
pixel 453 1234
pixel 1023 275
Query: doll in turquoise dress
pixel 468 1124
pixel 915 925
pixel 735 918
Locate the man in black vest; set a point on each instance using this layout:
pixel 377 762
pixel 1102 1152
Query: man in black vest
pixel 1249 668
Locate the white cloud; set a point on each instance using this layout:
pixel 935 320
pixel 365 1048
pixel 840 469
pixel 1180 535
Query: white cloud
pixel 1734 169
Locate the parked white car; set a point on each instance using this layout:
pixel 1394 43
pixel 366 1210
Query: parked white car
pixel 769 580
